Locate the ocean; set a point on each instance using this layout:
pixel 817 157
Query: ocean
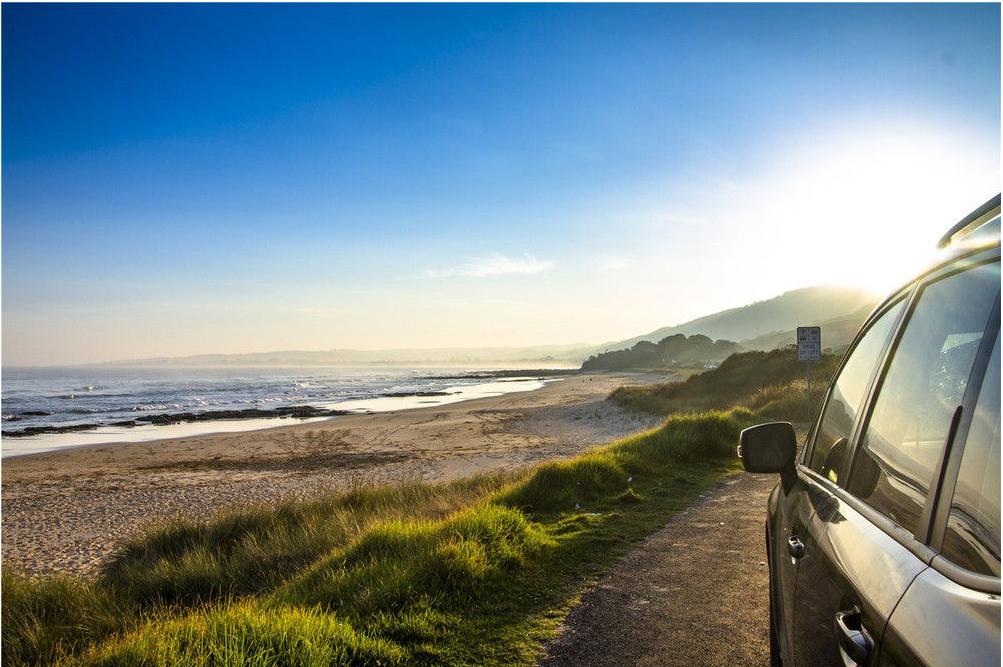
pixel 73 406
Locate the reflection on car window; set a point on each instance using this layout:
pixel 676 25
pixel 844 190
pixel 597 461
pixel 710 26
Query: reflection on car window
pixel 925 384
pixel 847 394
pixel 973 526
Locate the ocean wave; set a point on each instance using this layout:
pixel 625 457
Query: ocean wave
pixel 150 407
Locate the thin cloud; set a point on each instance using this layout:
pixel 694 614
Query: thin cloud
pixel 494 265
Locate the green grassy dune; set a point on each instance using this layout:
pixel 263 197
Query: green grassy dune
pixel 771 383
pixel 478 571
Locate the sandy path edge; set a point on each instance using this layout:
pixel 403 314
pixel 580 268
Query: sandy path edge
pixel 66 511
pixel 693 593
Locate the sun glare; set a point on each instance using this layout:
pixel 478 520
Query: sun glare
pixel 864 207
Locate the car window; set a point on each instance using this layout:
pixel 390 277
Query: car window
pixel 972 539
pixel 924 385
pixel 847 394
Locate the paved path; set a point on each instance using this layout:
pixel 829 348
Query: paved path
pixel 694 593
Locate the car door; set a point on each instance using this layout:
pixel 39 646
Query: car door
pixel 864 547
pixel 823 456
pixel 951 612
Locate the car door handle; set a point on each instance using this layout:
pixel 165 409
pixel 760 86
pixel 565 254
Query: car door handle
pixel 854 642
pixel 795 547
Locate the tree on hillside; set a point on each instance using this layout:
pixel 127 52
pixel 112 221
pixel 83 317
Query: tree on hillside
pixel 678 351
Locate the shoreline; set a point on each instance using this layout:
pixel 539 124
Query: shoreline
pixel 168 426
pixel 66 511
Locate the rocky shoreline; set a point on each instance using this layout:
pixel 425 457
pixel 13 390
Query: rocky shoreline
pixel 295 411
pixel 67 511
pixel 166 418
pixel 525 375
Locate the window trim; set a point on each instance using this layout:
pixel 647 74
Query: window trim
pixel 922 550
pixel 919 543
pixel 958 262
pixel 902 295
pixel 952 466
pixel 922 530
pixel 893 530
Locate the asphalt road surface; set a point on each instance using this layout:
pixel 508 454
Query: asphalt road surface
pixel 694 593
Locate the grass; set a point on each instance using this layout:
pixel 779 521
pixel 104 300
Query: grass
pixel 475 572
pixel 770 383
pixel 183 563
pixel 245 552
pixel 478 571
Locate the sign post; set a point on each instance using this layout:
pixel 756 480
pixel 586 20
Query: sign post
pixel 809 352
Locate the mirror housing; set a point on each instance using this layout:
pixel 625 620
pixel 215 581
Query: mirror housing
pixel 769 447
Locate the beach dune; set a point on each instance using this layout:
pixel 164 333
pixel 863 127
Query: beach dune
pixel 66 511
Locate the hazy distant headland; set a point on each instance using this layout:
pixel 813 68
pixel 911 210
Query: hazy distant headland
pixel 763 325
pixel 557 355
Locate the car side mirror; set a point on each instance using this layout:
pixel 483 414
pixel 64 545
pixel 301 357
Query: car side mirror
pixel 769 448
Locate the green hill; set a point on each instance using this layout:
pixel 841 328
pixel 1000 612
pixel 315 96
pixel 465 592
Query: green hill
pixel 781 314
pixel 837 333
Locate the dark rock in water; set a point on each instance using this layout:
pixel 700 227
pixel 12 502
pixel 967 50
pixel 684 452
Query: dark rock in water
pixel 296 411
pixel 39 430
pixel 11 418
pixel 299 411
pixel 304 412
pixel 535 373
pixel 36 413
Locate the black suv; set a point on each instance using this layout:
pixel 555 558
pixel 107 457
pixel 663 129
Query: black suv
pixel 883 535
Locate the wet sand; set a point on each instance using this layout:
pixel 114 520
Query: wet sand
pixel 66 511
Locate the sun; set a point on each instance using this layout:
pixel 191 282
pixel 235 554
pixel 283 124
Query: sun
pixel 864 207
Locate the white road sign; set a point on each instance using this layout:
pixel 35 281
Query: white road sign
pixel 809 343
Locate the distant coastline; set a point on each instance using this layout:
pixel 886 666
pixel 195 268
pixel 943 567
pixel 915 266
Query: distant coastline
pixel 295 411
pixel 47 423
pixel 534 357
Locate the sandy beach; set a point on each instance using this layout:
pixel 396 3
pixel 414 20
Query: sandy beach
pixel 65 511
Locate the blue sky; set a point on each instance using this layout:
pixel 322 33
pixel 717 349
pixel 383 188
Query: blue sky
pixel 228 178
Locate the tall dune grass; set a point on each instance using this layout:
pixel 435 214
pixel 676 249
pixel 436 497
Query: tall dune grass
pixel 772 383
pixel 478 571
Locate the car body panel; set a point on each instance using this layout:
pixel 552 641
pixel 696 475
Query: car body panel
pixel 849 564
pixel 917 607
pixel 940 622
pixel 794 510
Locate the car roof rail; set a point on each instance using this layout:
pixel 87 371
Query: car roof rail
pixel 970 222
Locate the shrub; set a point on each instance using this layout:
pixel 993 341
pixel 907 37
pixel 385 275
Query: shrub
pixel 473 572
pixel 247 634
pixel 44 619
pixel 254 549
pixel 401 564
pixel 735 382
pixel 560 486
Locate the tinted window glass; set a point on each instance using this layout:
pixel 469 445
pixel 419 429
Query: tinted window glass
pixel 973 527
pixel 924 385
pixel 847 394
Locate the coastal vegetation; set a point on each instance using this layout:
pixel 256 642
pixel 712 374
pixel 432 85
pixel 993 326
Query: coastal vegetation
pixel 476 571
pixel 765 325
pixel 774 384
pixel 673 352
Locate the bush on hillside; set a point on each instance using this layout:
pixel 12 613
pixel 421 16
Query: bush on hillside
pixel 772 381
pixel 676 351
